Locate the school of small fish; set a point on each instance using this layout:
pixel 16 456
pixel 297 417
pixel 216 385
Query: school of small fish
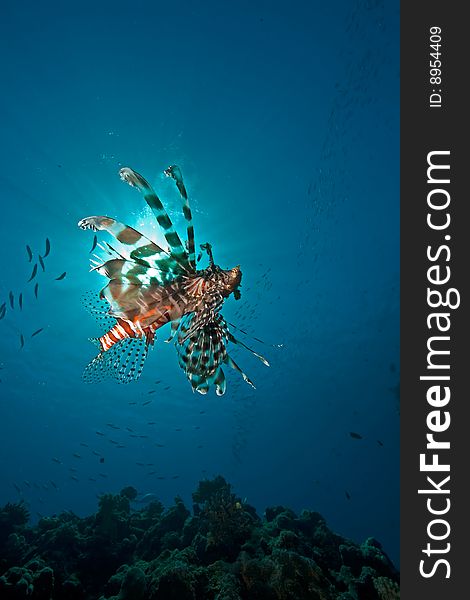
pixel 16 301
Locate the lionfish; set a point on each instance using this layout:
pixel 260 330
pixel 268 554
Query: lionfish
pixel 150 286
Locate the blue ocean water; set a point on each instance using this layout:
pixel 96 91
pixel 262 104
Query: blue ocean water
pixel 284 119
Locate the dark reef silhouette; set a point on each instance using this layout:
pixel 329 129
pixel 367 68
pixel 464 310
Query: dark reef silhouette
pixel 221 551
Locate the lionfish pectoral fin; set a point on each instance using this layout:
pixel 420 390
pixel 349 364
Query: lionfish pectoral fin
pixel 220 383
pixel 202 387
pixel 234 340
pixel 198 383
pixel 229 361
pixel 201 383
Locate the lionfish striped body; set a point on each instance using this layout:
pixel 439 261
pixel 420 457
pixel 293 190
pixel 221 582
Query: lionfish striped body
pixel 150 287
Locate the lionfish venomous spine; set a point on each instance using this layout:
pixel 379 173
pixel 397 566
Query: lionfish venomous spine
pixel 150 286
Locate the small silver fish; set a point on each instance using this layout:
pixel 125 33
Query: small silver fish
pixel 30 253
pixel 34 271
pixel 21 341
pixel 41 262
pixel 37 332
pixel 61 276
pixel 36 288
pixel 95 241
pixel 12 300
pixel 48 247
pixel 20 301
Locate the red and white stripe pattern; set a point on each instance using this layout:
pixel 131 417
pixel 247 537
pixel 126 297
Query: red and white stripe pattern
pixel 126 329
pixel 122 329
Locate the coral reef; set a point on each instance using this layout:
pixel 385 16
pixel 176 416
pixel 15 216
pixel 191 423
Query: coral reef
pixel 222 550
pixel 13 545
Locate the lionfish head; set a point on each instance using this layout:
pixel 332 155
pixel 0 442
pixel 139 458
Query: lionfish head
pixel 230 280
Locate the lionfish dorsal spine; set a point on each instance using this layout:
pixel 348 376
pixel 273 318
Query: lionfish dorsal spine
pixel 175 173
pixel 176 245
pixel 131 239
